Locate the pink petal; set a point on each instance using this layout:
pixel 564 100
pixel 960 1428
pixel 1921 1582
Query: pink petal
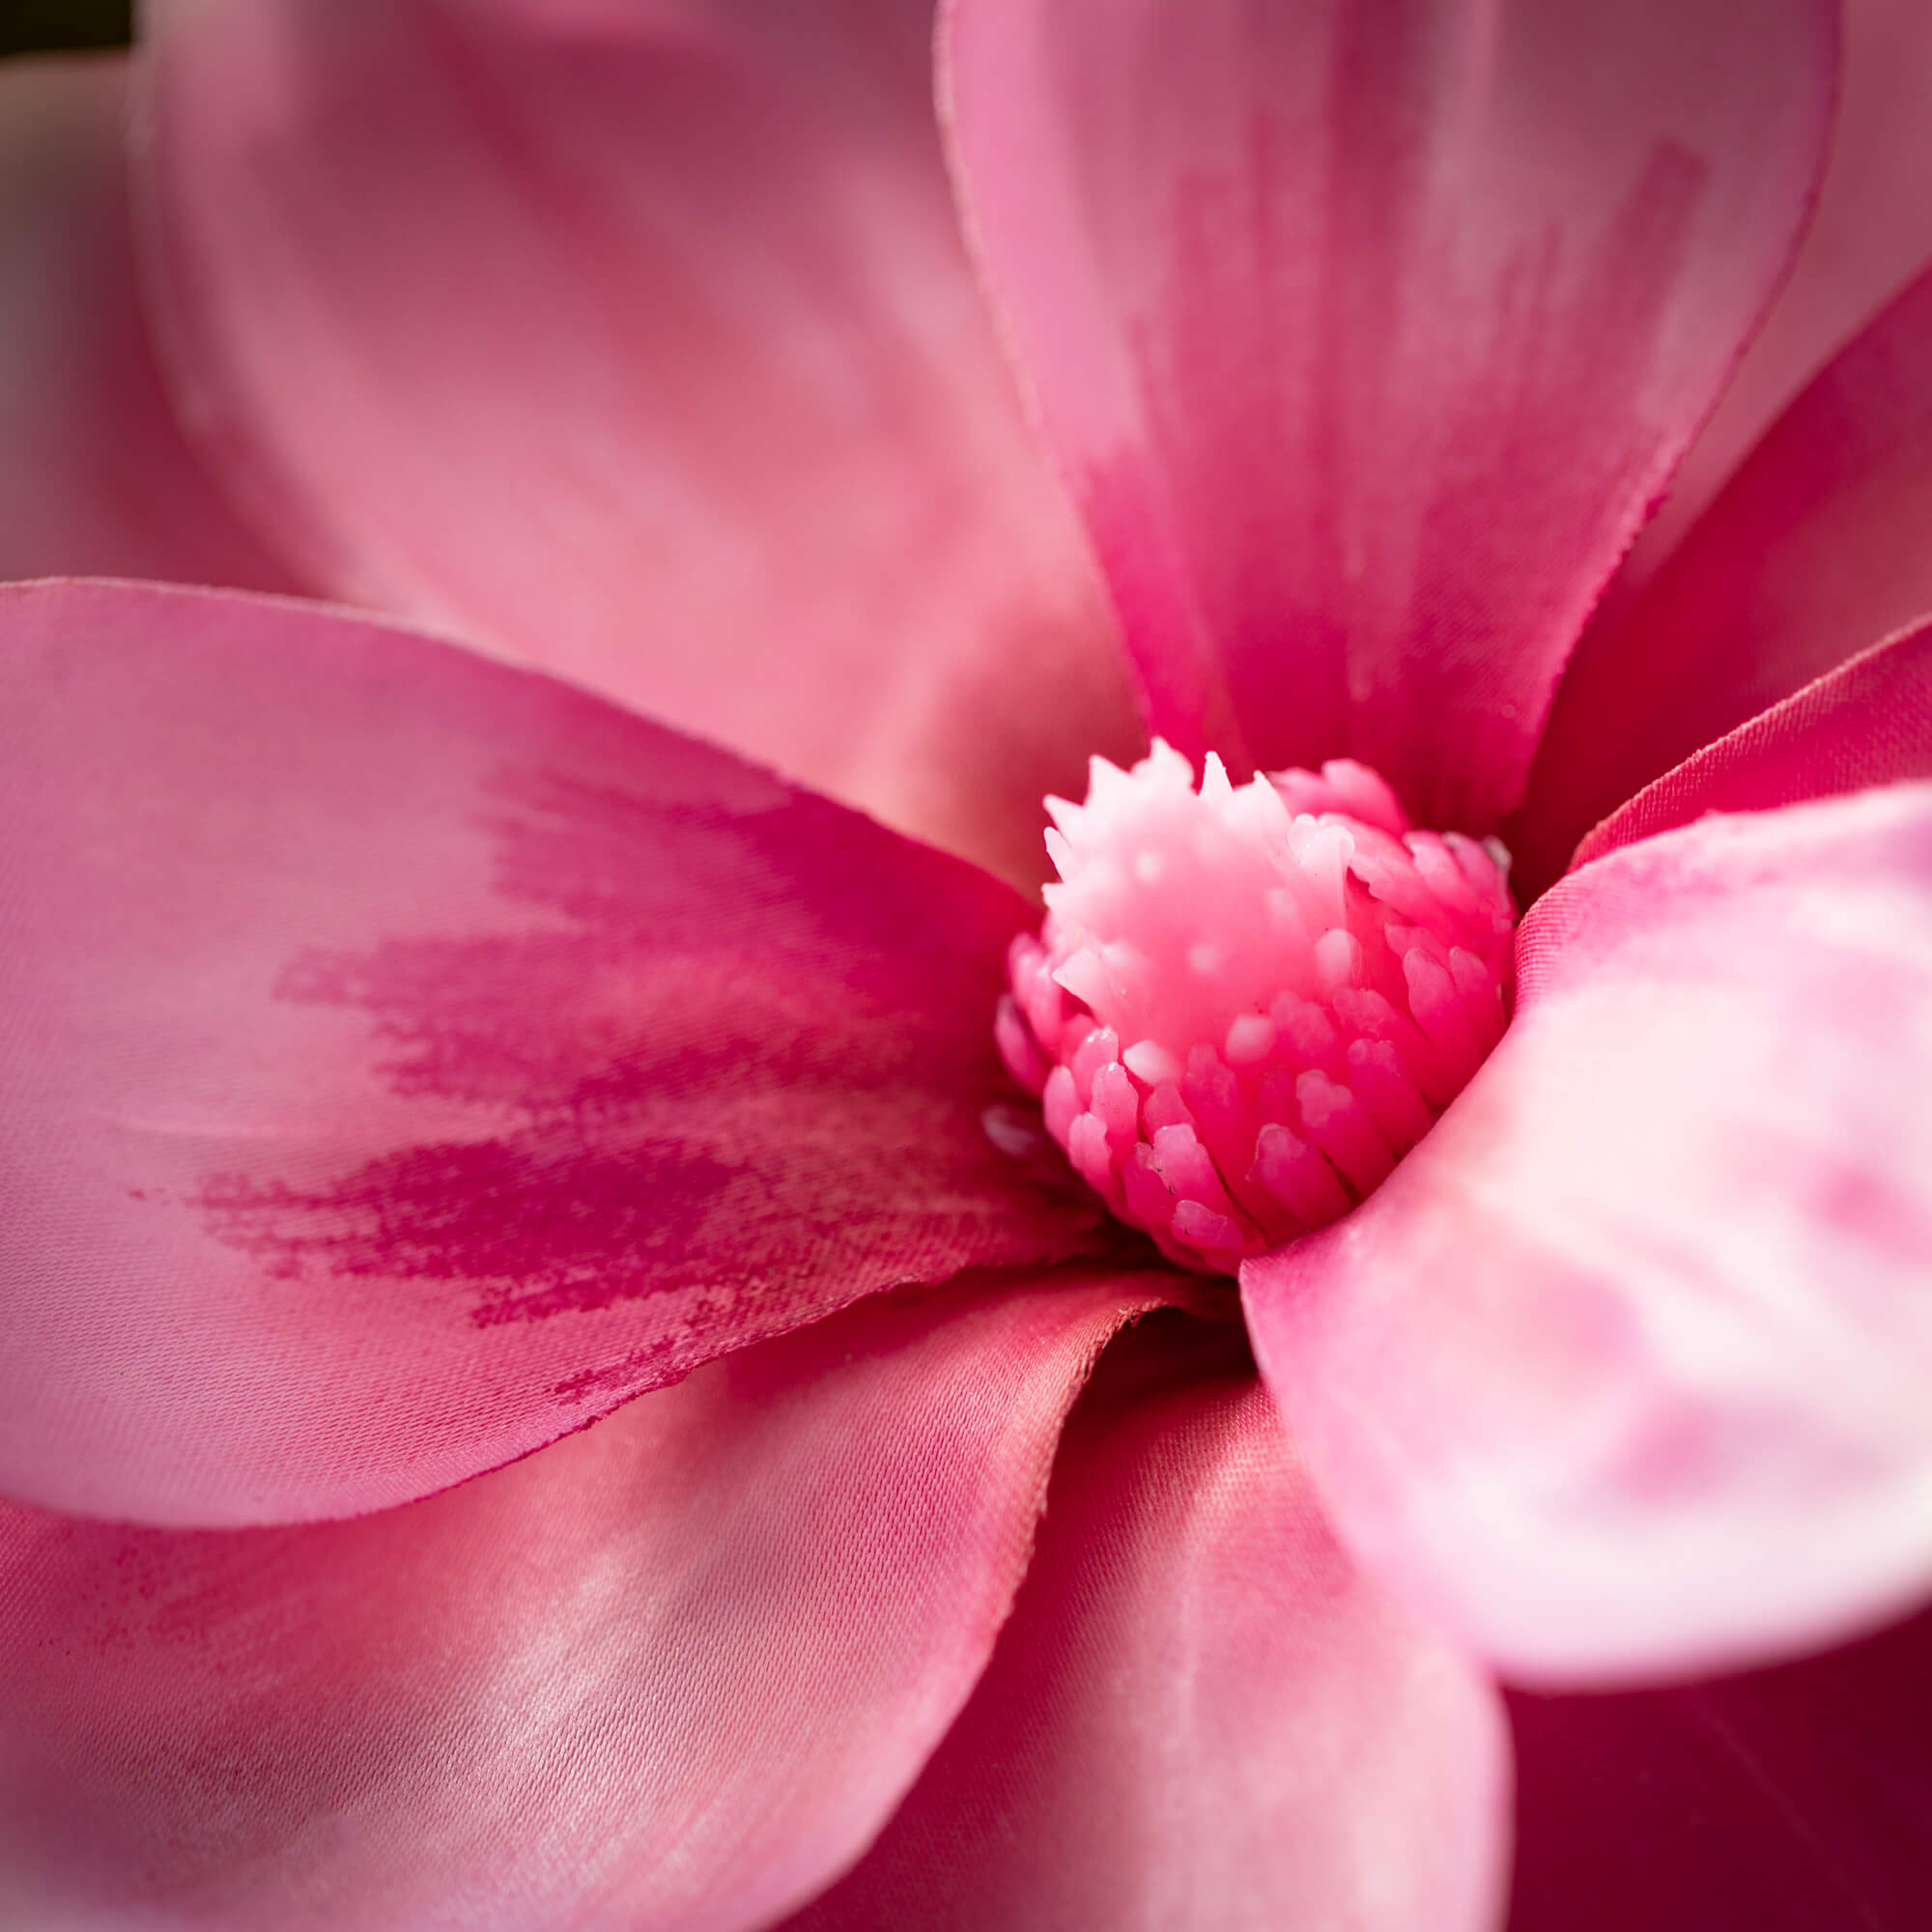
pixel 638 341
pixel 1787 1800
pixel 671 1673
pixel 1367 335
pixel 1623 1369
pixel 1815 551
pixel 97 476
pixel 1868 722
pixel 410 1059
pixel 1200 1715
pixel 1871 235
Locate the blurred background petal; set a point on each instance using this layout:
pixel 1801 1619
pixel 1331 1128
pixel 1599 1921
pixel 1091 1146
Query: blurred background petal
pixel 637 340
pixel 98 478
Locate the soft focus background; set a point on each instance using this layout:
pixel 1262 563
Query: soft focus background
pixel 27 24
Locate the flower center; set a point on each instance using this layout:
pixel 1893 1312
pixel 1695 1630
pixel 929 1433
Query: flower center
pixel 1246 1004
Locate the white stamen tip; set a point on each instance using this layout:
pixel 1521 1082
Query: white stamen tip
pixel 1305 981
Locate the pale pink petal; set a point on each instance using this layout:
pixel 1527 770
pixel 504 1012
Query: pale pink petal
pixel 638 340
pixel 1200 1716
pixel 1787 1800
pixel 1367 335
pixel 1815 551
pixel 407 1059
pixel 97 476
pixel 1868 722
pixel 1623 1369
pixel 1871 235
pixel 669 1673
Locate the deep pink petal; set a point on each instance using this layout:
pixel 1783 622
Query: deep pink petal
pixel 1788 1800
pixel 1868 722
pixel 1368 334
pixel 1200 1716
pixel 407 1059
pixel 95 476
pixel 669 1673
pixel 1623 1369
pixel 1871 233
pixel 638 340
pixel 1815 551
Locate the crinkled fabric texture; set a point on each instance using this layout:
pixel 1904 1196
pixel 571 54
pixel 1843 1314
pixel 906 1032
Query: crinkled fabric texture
pixel 410 1059
pixel 674 1672
pixel 1199 1713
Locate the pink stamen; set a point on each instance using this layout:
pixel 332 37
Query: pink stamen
pixel 1246 1004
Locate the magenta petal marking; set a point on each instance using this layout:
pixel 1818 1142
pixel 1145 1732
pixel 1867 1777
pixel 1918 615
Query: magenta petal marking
pixel 1201 1716
pixel 1623 1369
pixel 674 1672
pixel 1369 334
pixel 410 1059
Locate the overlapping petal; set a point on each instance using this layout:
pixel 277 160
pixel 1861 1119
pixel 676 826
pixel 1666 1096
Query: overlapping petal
pixel 1623 1370
pixel 417 1059
pixel 410 1058
pixel 638 340
pixel 1201 1716
pixel 1815 551
pixel 1871 233
pixel 1369 334
pixel 1868 722
pixel 671 1672
pixel 97 476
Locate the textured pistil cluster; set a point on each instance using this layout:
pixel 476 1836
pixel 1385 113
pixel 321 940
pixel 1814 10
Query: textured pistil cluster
pixel 1246 1004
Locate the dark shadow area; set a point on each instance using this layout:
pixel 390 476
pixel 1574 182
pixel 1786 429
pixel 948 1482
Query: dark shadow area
pixel 29 26
pixel 1792 1799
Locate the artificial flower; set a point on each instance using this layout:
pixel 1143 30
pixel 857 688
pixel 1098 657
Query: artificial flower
pixel 539 1328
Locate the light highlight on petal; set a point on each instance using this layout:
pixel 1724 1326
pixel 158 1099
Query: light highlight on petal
pixel 1624 1370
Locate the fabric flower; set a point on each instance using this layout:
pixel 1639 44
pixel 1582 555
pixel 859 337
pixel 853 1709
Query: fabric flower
pixel 415 1055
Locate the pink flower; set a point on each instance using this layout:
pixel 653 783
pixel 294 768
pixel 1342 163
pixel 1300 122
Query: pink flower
pixel 412 1057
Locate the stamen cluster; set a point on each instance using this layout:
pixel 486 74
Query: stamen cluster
pixel 1246 1004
